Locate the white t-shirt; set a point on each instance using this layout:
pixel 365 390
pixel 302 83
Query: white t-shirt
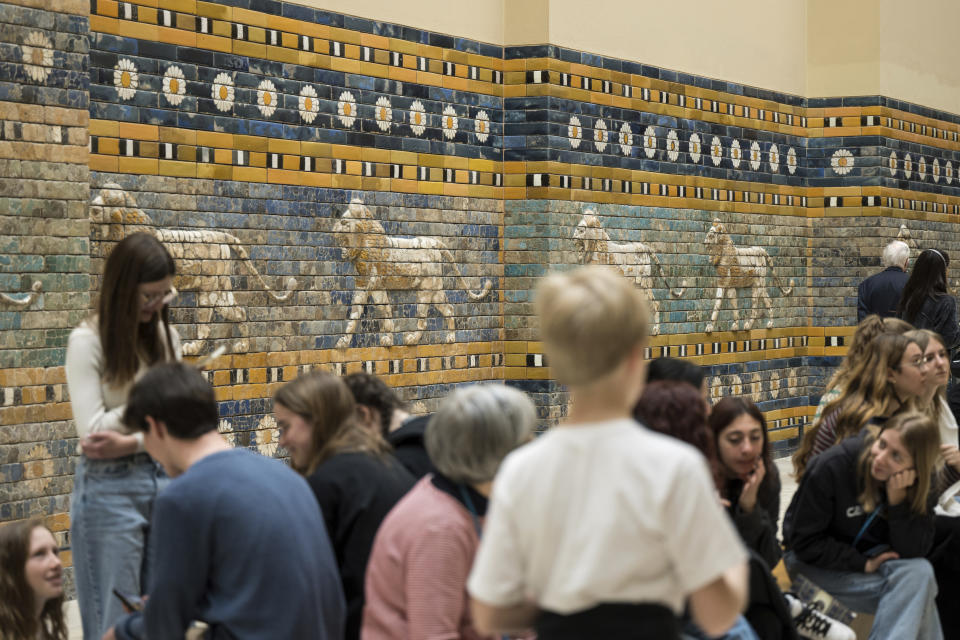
pixel 600 513
pixel 948 423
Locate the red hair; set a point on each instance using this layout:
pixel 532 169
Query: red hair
pixel 677 409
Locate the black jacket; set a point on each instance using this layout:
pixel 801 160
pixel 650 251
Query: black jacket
pixel 940 314
pixel 758 529
pixel 825 516
pixel 408 447
pixel 880 293
pixel 356 491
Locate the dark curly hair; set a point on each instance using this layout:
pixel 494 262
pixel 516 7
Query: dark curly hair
pixel 370 391
pixel 677 409
pixel 17 621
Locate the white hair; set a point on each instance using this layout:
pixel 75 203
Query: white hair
pixel 475 428
pixel 895 254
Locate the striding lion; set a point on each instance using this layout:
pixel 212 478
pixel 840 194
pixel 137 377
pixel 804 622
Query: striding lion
pixel 635 260
pixel 386 263
pixel 205 263
pixel 740 267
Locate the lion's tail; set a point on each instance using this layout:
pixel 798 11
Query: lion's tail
pixel 245 259
pixel 676 293
pixel 776 279
pixel 484 291
pixel 474 295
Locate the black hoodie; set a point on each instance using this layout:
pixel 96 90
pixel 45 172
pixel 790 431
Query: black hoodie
pixel 408 447
pixel 825 516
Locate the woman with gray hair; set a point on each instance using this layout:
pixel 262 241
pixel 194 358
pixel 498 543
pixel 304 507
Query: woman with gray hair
pixel 423 552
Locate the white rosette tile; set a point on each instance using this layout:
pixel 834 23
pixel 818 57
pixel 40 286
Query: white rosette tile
pixel 755 155
pixel 223 92
pixel 695 147
pixel 575 132
pixel 126 78
pixel 417 118
pixel 600 135
pixel 626 139
pixel 307 104
pixel 449 122
pixel 266 98
pixel 347 109
pixel 842 162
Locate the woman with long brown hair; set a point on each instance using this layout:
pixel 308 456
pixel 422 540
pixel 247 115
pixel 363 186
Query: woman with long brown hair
pixel 116 481
pixel 868 329
pixel 885 382
pixel 350 469
pixel 31 583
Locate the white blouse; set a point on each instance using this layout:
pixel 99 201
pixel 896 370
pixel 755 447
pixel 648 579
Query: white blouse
pixel 97 405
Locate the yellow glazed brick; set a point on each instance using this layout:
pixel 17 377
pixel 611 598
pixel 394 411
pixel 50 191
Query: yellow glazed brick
pixel 183 6
pixel 104 128
pixel 224 45
pixel 178 169
pixel 249 49
pixel 276 145
pixel 212 10
pixel 214 171
pixel 177 36
pixel 282 54
pixel 147 14
pixel 108 8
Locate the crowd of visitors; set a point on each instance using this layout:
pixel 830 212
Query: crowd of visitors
pixel 647 513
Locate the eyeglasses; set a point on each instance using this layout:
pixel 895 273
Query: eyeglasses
pixel 164 298
pixel 919 363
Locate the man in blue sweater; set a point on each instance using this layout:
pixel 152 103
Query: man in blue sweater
pixel 237 539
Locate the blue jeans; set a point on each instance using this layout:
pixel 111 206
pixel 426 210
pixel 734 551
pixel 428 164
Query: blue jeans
pixel 741 630
pixel 109 524
pixel 901 595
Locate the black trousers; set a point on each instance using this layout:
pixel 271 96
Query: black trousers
pixel 767 610
pixel 945 559
pixel 615 620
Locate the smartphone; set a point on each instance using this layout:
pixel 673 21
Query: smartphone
pixel 873 552
pixel 130 602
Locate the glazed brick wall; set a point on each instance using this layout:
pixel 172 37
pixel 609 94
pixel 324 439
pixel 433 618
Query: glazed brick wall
pixel 241 130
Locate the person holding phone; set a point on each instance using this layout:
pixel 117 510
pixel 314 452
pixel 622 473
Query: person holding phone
pixel 116 482
pixel 861 522
pixel 31 583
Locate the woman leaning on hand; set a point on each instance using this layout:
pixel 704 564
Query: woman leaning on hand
pixel 115 481
pixel 861 523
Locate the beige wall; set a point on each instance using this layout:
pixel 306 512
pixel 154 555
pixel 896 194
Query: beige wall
pixel 755 42
pixel 475 19
pixel 807 47
pixel 895 49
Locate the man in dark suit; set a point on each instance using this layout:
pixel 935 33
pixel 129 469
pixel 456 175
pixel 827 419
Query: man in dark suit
pixel 880 293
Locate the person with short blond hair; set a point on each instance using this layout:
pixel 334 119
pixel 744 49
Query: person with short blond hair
pixel 601 527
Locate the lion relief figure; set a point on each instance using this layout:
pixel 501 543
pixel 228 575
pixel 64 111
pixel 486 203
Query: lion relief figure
pixel 634 260
pixel 204 257
pixel 740 268
pixel 384 263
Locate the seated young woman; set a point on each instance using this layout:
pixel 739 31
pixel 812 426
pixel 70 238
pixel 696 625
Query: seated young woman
pixel 885 382
pixel 861 523
pixel 868 329
pixel 31 583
